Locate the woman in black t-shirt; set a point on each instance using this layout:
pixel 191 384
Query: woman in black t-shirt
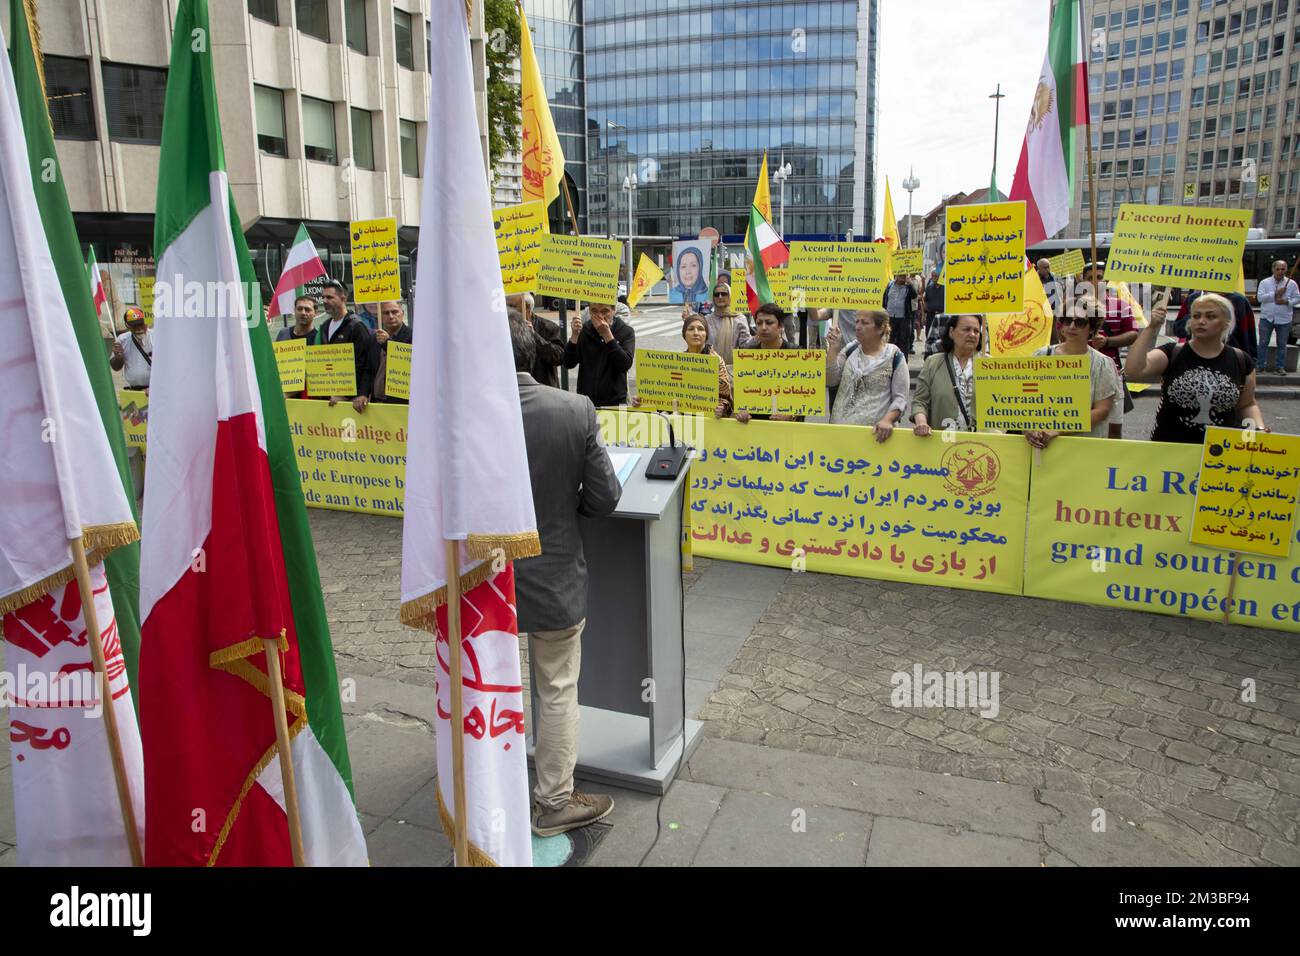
pixel 1204 381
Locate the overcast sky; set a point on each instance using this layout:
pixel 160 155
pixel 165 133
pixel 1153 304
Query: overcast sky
pixel 940 60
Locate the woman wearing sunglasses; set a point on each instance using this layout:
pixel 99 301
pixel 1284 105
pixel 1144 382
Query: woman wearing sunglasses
pixel 1076 331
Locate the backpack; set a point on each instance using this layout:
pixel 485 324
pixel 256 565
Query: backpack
pixel 833 390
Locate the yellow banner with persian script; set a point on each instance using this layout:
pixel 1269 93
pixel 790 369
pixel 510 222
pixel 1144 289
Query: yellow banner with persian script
pixel 779 381
pixel 907 261
pixel 1067 264
pixel 519 232
pixel 1246 491
pixel 985 258
pixel 376 271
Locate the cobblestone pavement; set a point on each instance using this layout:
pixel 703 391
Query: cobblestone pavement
pixel 1140 713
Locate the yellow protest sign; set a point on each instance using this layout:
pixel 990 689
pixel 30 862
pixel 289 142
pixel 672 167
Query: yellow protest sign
pixel 376 274
pixel 350 462
pixel 647 274
pixel 291 359
pixel 144 286
pixel 1246 491
pixel 397 377
pixel 779 381
pixel 135 416
pixel 519 244
pixel 1026 331
pixel 778 280
pixel 985 258
pixel 1175 246
pixel 1067 264
pixel 838 275
pixel 1047 392
pixel 907 262
pixel 676 381
pixel 1109 524
pixel 332 370
pixel 584 268
pixel 1189 191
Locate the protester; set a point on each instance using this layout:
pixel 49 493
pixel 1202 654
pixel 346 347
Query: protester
pixel 550 339
pixel 932 304
pixel 1075 333
pixel 696 333
pixel 341 327
pixel 1051 284
pixel 870 374
pixel 368 313
pixel 945 387
pixel 900 302
pixel 604 346
pixel 1243 334
pixel 727 330
pixel 393 328
pixel 571 476
pixel 132 352
pixel 769 334
pixel 1118 330
pixel 304 320
pixel 1278 297
pixel 1204 381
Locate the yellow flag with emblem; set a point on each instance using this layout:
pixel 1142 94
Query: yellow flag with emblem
pixel 543 160
pixel 1022 333
pixel 889 227
pixel 647 274
pixel 763 191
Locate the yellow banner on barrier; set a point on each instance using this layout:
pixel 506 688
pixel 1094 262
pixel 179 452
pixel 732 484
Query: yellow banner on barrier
pixel 779 381
pixel 985 258
pixel 397 377
pixel 666 379
pixel 376 271
pixel 519 232
pixel 349 461
pixel 1109 524
pixel 584 268
pixel 1047 392
pixel 1177 246
pixel 134 407
pixel 1067 264
pixel 838 275
pixel 332 370
pixel 291 360
pixel 1246 491
pixel 907 262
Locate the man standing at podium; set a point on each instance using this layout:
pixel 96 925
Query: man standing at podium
pixel 571 475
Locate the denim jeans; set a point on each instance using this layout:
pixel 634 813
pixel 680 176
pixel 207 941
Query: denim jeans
pixel 1267 328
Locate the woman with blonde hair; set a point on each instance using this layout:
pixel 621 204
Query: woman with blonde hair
pixel 1203 381
pixel 871 375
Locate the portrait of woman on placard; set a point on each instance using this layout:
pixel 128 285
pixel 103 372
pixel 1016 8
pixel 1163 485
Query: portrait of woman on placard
pixel 690 273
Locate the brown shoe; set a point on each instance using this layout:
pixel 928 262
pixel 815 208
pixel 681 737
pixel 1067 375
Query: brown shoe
pixel 582 809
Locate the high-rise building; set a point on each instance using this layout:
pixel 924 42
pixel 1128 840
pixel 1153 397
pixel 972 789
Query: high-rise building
pixel 1193 102
pixel 557 27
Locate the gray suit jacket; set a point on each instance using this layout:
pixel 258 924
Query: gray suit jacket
pixel 571 476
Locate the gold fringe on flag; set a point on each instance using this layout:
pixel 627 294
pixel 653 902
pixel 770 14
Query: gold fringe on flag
pixel 476 856
pixel 34 31
pixel 422 611
pixel 98 542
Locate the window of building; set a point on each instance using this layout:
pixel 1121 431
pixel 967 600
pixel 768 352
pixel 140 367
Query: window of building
pixel 1180 37
pixel 1095 109
pixel 363 139
pixel 1123 138
pixel 1131 47
pixel 264 10
pixel 1107 168
pixel 1211 127
pixel 403 39
pixel 1212 95
pixel 1220 27
pixel 318 139
pixel 1279 44
pixel 1274 80
pixel 1125 109
pixel 1230 58
pixel 1112 51
pixel 314 18
pixel 1166 9
pixel 1175 101
pixel 1293 76
pixel 1198 96
pixel 1140 137
pixel 1162 72
pixel 1171 134
pixel 1243 88
pixel 407 131
pixel 1108 140
pixel 67 89
pixel 1139 166
pixel 1110 108
pixel 1128 79
pixel 1166 193
pixel 268 103
pixel 1200 66
pixel 133 100
pixel 1216 61
pixel 354 16
pixel 1146 45
pixel 1142 107
pixel 1194 129
pixel 1234 24
pixel 1202 31
pixel 1162 42
pixel 1252 18
pixel 1131 16
pixel 1144 76
pixel 1191 162
pixel 1257 118
pixel 1121 167
pixel 1116 19
pixel 1176 71
pixel 1112 80
pixel 1148 13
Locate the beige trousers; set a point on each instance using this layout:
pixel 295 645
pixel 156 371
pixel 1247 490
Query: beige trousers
pixel 556 658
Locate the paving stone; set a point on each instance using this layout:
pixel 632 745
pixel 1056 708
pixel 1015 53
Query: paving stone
pixel 897 842
pixel 1075 838
pixel 754 829
pixel 398 844
pixel 688 810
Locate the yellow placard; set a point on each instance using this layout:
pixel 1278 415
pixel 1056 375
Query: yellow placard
pixel 291 359
pixel 1046 392
pixel 144 287
pixel 1109 523
pixel 838 275
pixel 1246 491
pixel 1176 246
pixel 907 261
pixel 519 244
pixel 376 273
pixel 397 375
pixel 135 416
pixel 985 258
pixel 349 461
pixel 647 274
pixel 779 381
pixel 739 293
pixel 1026 331
pixel 676 381
pixel 584 268
pixel 1067 264
pixel 778 280
pixel 332 370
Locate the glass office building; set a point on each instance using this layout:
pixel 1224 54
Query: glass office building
pixel 688 94
pixel 558 41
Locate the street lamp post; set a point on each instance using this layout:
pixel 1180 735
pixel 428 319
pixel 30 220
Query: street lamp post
pixel 629 184
pixel 911 183
pixel 609 178
pixel 780 176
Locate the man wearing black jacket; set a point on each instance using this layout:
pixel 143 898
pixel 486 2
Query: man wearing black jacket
pixel 341 326
pixel 604 346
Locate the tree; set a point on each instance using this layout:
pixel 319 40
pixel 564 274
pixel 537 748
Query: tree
pixel 501 28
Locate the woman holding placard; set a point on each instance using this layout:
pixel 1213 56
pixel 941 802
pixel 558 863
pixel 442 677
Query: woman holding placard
pixel 1203 381
pixel 945 389
pixel 871 374
pixel 1075 332
pixel 696 334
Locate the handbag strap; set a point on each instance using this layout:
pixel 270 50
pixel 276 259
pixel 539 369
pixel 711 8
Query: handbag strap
pixel 956 392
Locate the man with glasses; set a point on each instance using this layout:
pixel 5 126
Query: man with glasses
pixel 727 330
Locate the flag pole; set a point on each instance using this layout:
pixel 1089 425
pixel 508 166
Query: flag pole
pixel 1087 119
pixel 82 570
pixel 272 645
pixel 457 720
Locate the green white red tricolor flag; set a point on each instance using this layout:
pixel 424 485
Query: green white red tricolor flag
pixel 764 250
pixel 301 265
pixel 467 468
pixel 1045 173
pixel 98 297
pixel 61 483
pixel 227 557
